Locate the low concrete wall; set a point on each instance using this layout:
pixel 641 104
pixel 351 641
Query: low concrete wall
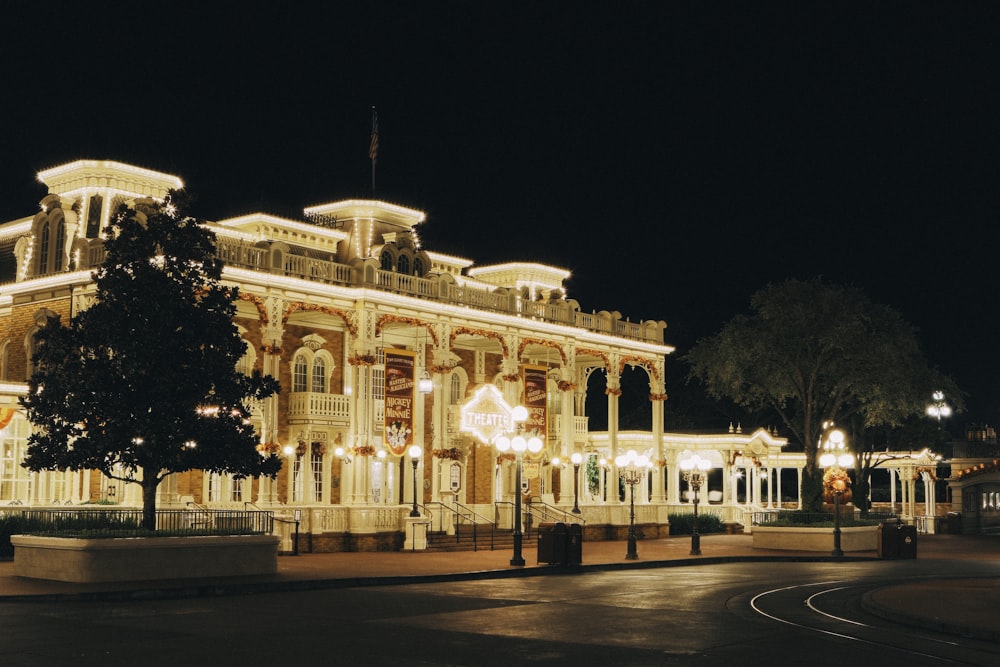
pixel 144 558
pixel 854 538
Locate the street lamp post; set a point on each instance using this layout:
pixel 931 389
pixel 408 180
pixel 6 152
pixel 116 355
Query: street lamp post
pixel 519 444
pixel 695 471
pixel 835 458
pixel 415 452
pixel 939 409
pixel 577 459
pixel 631 469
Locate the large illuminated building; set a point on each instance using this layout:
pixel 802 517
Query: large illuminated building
pixel 378 343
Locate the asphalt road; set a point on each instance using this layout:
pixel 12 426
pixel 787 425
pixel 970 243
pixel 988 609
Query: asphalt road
pixel 732 614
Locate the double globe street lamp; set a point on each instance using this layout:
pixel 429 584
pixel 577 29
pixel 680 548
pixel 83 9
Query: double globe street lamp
pixel 632 469
pixel 519 444
pixel 835 458
pixel 695 470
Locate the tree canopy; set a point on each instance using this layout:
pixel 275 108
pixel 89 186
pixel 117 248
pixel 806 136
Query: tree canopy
pixel 817 353
pixel 144 382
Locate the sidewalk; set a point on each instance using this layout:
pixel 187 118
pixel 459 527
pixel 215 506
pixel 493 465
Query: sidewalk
pixel 961 606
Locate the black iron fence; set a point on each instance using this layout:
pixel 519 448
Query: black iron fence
pixel 806 518
pixel 200 520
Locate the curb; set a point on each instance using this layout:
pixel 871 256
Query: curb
pixel 216 589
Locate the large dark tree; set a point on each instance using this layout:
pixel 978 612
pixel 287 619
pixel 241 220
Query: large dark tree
pixel 143 383
pixel 815 353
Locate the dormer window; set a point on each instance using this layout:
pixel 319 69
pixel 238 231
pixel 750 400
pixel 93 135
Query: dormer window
pixel 403 266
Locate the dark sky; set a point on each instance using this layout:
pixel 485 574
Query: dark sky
pixel 675 156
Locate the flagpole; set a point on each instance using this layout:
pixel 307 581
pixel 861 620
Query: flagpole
pixel 373 146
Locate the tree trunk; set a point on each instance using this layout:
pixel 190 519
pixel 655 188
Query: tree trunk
pixel 149 487
pixel 862 486
pixel 812 490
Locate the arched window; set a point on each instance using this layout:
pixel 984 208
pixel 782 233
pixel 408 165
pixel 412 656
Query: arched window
pixel 95 205
pixel 456 389
pixel 300 374
pixel 312 367
pixel 418 266
pixel 403 266
pixel 43 251
pixel 319 375
pixel 57 252
pixel 52 238
pixel 386 261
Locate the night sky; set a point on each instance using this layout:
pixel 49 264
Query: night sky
pixel 676 157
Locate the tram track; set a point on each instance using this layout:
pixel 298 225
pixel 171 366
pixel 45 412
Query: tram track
pixel 833 609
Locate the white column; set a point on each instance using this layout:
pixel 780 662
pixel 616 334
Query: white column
pixel 892 488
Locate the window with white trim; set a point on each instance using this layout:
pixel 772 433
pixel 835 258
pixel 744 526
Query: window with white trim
pixel 300 373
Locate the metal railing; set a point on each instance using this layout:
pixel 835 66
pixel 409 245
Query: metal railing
pixel 805 518
pixel 462 515
pixel 545 512
pixel 195 518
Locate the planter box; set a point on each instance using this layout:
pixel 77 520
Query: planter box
pixel 854 538
pixel 144 558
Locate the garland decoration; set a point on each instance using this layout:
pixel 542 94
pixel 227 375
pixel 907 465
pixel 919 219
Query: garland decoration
pixel 401 319
pixel 271 348
pixel 258 304
pixel 361 360
pixel 269 448
pixel 451 454
pixel 364 450
pixel 638 361
pixel 511 377
pixel 979 469
pixel 565 385
pixel 613 391
pixel 544 343
pixel 458 331
pixel 506 457
pixel 658 397
pixel 348 318
pixel 595 353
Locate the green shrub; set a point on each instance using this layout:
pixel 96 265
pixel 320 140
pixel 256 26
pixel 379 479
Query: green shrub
pixel 680 524
pixel 88 524
pixel 803 519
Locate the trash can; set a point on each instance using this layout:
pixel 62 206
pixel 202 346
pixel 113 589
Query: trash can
pixel 907 541
pixel 574 545
pixel 552 543
pixel 888 540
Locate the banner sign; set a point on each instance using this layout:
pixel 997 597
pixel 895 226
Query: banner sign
pixel 536 400
pixel 400 366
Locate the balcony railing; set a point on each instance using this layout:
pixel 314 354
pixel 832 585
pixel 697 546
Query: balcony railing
pixel 312 406
pixel 243 254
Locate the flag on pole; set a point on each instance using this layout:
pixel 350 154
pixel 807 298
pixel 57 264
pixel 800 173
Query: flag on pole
pixel 373 148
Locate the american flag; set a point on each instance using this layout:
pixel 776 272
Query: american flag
pixel 373 148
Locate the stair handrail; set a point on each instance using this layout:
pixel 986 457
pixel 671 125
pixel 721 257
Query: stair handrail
pixel 475 516
pixel 543 513
pixel 443 506
pixel 462 512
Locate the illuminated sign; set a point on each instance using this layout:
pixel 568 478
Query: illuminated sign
pixel 486 415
